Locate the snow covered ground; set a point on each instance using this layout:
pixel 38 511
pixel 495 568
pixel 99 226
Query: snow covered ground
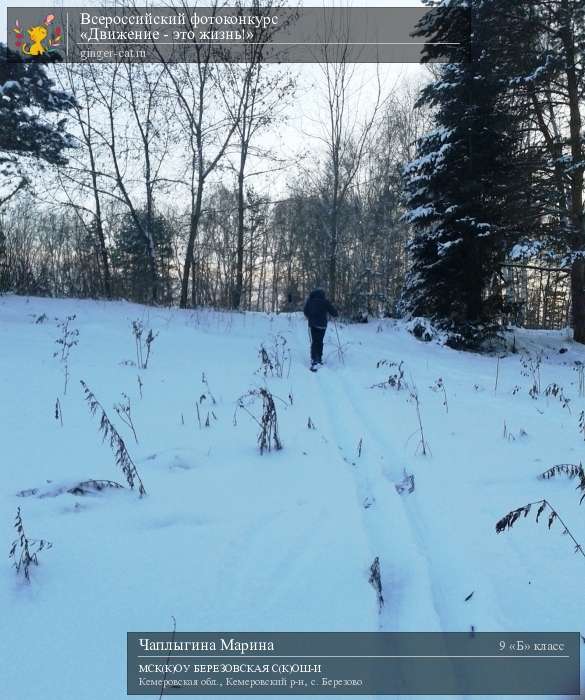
pixel 231 540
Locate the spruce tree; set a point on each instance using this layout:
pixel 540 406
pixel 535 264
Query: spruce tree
pixel 28 103
pixel 469 194
pixel 131 259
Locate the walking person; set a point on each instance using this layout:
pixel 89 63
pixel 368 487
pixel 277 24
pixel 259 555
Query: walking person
pixel 317 308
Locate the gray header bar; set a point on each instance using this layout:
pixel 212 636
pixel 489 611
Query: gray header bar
pixel 182 34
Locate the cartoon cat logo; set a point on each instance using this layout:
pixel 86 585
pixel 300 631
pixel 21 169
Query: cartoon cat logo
pixel 41 43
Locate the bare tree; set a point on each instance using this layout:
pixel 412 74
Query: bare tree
pixel 133 90
pixel 260 93
pixel 83 173
pixel 205 131
pixel 344 133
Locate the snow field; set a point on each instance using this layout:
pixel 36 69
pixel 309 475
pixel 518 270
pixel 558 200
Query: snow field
pixel 229 540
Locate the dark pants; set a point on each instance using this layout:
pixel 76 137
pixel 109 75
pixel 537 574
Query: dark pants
pixel 317 335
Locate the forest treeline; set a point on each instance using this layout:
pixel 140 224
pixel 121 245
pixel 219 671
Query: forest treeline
pixel 459 198
pixel 154 198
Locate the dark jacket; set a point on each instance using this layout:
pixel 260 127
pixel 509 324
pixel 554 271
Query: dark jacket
pixel 317 307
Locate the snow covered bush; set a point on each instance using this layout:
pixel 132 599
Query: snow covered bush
pixel 143 345
pixel 206 399
pixel 422 329
pixel 268 437
pixel 423 446
pixel 109 432
pixel 439 388
pixel 512 437
pixel 557 392
pixel 375 580
pixel 531 368
pixel 79 488
pixel 58 412
pixel 508 521
pixel 124 411
pixel 24 551
pixel 581 427
pixel 571 471
pixel 208 394
pixel 580 369
pixel 276 358
pixel 67 340
pixel 395 379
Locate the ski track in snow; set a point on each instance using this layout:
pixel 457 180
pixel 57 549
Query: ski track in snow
pixel 405 585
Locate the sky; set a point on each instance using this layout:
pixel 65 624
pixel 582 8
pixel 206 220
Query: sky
pixel 305 114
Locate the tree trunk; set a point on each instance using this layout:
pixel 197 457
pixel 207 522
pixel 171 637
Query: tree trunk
pixel 576 178
pixel 103 251
pixel 333 243
pixel 194 224
pixel 237 295
pixel 578 299
pixel 152 266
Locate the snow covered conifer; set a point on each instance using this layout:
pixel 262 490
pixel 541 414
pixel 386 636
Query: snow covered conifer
pixel 467 187
pixel 28 98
